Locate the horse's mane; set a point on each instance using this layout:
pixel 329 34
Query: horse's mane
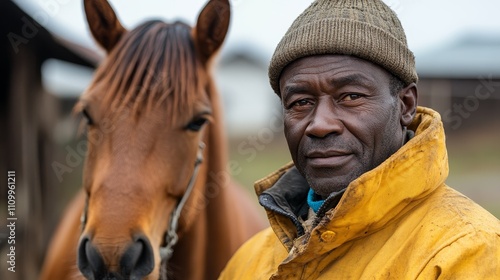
pixel 153 65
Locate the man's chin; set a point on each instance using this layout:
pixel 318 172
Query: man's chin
pixel 325 186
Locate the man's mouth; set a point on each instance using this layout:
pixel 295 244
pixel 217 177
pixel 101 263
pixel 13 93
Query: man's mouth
pixel 331 158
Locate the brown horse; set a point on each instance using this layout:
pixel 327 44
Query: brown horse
pixel 151 109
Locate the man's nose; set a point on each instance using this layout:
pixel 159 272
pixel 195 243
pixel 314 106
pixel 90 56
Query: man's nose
pixel 324 120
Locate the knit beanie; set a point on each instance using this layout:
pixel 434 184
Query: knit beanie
pixel 367 29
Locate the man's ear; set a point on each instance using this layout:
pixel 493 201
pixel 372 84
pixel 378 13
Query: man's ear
pixel 103 22
pixel 408 97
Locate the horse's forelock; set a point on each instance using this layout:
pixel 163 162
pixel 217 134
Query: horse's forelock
pixel 153 65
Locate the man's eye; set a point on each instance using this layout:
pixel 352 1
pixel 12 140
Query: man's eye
pixel 351 96
pixel 301 102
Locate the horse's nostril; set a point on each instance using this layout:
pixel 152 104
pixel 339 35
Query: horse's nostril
pixel 90 262
pixel 138 259
pixel 136 262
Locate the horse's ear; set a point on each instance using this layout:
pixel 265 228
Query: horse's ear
pixel 212 26
pixel 103 22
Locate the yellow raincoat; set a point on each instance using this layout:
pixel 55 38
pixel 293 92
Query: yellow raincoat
pixel 397 221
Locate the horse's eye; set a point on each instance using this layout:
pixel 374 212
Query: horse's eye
pixel 87 116
pixel 197 124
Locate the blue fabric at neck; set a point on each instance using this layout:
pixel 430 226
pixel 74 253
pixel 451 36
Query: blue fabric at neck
pixel 314 200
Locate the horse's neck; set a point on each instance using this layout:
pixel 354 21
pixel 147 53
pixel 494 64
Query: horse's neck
pixel 232 216
pixel 218 178
pixel 213 235
pixel 206 209
pixel 216 138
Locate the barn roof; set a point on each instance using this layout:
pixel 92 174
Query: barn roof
pixel 470 56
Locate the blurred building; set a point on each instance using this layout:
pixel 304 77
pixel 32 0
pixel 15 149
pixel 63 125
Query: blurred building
pixel 29 113
pixel 249 102
pixel 462 81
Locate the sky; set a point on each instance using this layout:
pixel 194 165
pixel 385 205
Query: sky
pixel 261 23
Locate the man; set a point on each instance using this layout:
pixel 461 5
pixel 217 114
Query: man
pixel 365 196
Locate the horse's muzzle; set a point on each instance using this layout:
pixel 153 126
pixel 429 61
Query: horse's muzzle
pixel 136 262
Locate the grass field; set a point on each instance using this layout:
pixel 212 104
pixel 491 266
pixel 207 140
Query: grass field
pixel 475 167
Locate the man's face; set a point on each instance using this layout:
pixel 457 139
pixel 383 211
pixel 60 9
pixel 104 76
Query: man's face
pixel 340 117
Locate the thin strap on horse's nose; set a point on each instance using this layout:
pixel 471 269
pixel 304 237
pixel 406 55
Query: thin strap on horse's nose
pixel 83 217
pixel 171 237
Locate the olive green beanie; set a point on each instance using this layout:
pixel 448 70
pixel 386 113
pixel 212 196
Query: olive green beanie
pixel 367 29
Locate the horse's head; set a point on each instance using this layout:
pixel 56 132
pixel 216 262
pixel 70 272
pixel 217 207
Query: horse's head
pixel 147 111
